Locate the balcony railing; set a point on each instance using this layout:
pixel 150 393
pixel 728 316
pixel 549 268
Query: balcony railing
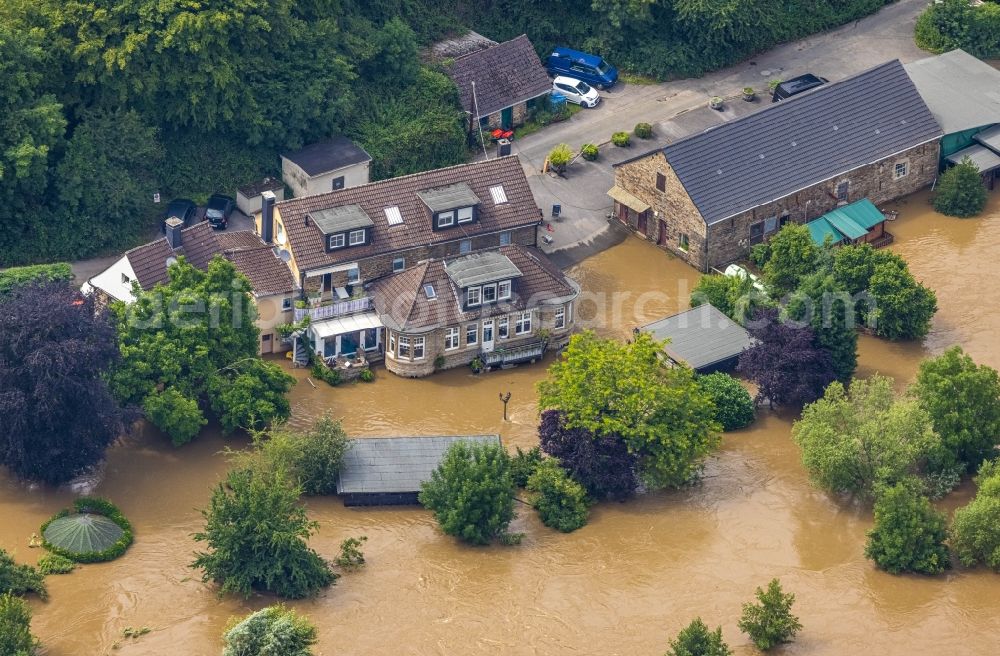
pixel 514 355
pixel 337 309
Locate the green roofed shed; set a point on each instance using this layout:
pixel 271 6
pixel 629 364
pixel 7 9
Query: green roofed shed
pixel 850 222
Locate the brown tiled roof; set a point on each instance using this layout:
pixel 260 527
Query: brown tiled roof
pixel 257 261
pixel 306 241
pixel 149 261
pixel 505 74
pixel 403 305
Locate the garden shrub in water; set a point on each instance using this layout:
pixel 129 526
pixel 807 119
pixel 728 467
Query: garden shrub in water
pixel 769 622
pixel 19 579
pixel 561 502
pixel 909 534
pixel 272 631
pixel 734 407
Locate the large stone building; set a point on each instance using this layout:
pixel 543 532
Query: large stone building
pixel 711 196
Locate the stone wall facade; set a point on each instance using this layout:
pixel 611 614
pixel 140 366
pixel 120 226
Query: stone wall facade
pixel 495 120
pixel 672 216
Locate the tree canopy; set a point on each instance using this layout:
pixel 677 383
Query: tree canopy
pixel 609 388
pixel 696 639
pixel 56 348
pixel 909 534
pixel 960 190
pixel 15 627
pixel 561 502
pixel 793 255
pixel 601 463
pixel 825 305
pixel 271 631
pixel 734 407
pixel 976 526
pixel 769 621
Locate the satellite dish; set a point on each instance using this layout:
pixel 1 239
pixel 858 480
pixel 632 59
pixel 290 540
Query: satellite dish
pixel 284 255
pixel 171 260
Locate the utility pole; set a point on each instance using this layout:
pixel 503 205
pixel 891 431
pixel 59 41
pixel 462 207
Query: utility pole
pixel 504 398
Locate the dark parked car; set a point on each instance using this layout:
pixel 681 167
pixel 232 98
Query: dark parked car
pixel 218 210
pixel 582 66
pixel 789 88
pixel 183 209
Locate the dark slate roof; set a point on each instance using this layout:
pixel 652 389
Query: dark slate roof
pixel 402 303
pixel 330 155
pixel 255 189
pixel 700 337
pixel 306 241
pixel 479 268
pixel 801 141
pixel 376 465
pixel 505 74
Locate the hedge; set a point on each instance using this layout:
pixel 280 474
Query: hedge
pixel 18 276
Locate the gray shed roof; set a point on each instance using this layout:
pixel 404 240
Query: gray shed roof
pixel 479 268
pixel 984 158
pixel 325 156
pixel 448 198
pixel 339 219
pixel 990 138
pixel 374 465
pixel 801 141
pixel 701 336
pixel 961 91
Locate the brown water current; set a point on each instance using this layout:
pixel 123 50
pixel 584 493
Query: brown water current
pixel 623 584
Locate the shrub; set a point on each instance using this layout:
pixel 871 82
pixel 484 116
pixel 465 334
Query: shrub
pixel 697 640
pixel 760 254
pixel 960 191
pixel 959 24
pixel 367 376
pixel 770 622
pixel 20 276
pixel 351 557
pixel 96 506
pixel 621 139
pixel 471 493
pixel 909 534
pixel 324 373
pixel 560 156
pixel 589 152
pixel 643 130
pixel 439 362
pixel 734 296
pixel 15 627
pixel 272 631
pixel 524 463
pixel 793 256
pixel 734 407
pixel 561 502
pixel 55 564
pixel 20 579
pixel 976 526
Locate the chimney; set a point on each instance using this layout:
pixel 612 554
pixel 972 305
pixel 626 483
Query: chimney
pixel 267 217
pixel 174 227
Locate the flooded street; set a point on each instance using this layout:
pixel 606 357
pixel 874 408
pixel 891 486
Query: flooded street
pixel 622 585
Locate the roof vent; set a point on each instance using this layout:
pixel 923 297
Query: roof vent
pixel 719 171
pixel 498 194
pixel 393 216
pixel 429 292
pixel 795 143
pixel 761 155
pixel 902 121
pixel 835 128
pixel 877 131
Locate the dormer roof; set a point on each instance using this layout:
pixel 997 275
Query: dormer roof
pixel 341 219
pixel 455 195
pixel 480 268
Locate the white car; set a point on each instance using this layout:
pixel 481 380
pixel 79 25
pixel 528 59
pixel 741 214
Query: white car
pixel 576 91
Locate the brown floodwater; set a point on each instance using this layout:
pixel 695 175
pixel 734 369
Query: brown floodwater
pixel 623 584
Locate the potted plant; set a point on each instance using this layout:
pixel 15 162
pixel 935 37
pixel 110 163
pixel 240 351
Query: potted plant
pixel 749 95
pixel 772 85
pixel 476 365
pixel 715 103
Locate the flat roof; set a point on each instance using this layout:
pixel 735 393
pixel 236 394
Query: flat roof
pixel 984 158
pixel 375 465
pixel 479 268
pixel 961 91
pixel 325 156
pixel 990 138
pixel 340 219
pixel 701 336
pixel 449 198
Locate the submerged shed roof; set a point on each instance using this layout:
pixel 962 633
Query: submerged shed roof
pixel 985 159
pixel 377 465
pixel 701 337
pixel 961 91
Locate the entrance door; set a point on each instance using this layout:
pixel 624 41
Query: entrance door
pixel 662 237
pixel 507 118
pixel 487 335
pixel 623 213
pixel 266 344
pixel 642 224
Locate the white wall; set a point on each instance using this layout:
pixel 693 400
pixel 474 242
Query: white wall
pixel 302 185
pixel 110 281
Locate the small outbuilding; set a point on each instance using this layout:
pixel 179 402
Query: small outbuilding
pixel 386 471
pixel 859 222
pixel 336 163
pixel 703 338
pixel 249 197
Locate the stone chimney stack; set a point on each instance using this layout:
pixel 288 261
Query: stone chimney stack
pixel 267 217
pixel 174 227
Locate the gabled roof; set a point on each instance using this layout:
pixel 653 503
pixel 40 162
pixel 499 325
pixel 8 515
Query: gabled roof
pixel 801 141
pixel 961 91
pixel 149 261
pixel 257 261
pixel 402 303
pixel 325 156
pixel 701 337
pixel 851 221
pixel 306 241
pixel 505 74
pixel 479 268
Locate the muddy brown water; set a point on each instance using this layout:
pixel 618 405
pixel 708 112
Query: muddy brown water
pixel 623 584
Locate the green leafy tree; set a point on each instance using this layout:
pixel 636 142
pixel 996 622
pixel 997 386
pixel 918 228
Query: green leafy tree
pixel 963 400
pixel 15 627
pixel 734 407
pixel 175 414
pixel 351 557
pixel 951 24
pixel 471 493
pixel 271 631
pixel 20 579
pixel 256 534
pixel 827 307
pixel 854 439
pixel 960 191
pixel 769 621
pixel 903 308
pixel 396 57
pixel 15 277
pixel 793 257
pixel 524 463
pixel 734 296
pixel 909 534
pixel 249 394
pixel 609 388
pixel 976 526
pixel 696 639
pixel 561 502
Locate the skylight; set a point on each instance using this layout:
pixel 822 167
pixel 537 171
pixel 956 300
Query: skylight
pixel 499 195
pixel 429 291
pixel 393 216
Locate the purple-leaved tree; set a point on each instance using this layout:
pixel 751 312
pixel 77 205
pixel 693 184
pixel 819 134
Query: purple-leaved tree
pixel 602 465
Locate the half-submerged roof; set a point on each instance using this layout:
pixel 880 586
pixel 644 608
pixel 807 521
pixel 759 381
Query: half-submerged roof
pixel 339 219
pixel 329 155
pixel 479 268
pixel 701 337
pixel 961 91
pixel 449 197
pixel 850 221
pixel 505 74
pixel 378 465
pixel 802 141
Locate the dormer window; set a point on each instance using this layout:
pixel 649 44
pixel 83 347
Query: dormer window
pixel 343 226
pixel 466 214
pixel 473 296
pixel 451 205
pixel 336 241
pixel 503 290
pixel 489 293
pixel 357 237
pixel 446 219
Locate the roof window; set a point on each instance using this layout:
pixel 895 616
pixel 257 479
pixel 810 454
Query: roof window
pixel 429 292
pixel 393 216
pixel 498 194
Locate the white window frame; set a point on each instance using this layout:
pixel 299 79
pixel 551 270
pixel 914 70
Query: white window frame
pixel 503 328
pixel 392 344
pixel 505 238
pixel 522 325
pixel 354 240
pixel 492 291
pixel 451 339
pixel 503 290
pixel 905 165
pixel 418 344
pixel 465 214
pixel 559 318
pixel 473 296
pixel 401 261
pixel 353 276
pixel 446 219
pixel 471 330
pixel 404 347
pixel 339 237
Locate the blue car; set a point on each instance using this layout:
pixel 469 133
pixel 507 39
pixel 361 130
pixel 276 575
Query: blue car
pixel 579 65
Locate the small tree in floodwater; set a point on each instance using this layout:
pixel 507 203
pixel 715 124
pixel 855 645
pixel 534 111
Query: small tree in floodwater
pixel 960 191
pixel 909 533
pixel 769 622
pixel 697 640
pixel 271 631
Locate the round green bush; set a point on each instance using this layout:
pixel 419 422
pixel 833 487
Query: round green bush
pixel 110 516
pixel 589 152
pixel 643 130
pixel 621 139
pixel 561 502
pixel 55 564
pixel 734 407
pixel 367 376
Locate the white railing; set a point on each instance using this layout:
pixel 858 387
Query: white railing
pixel 338 309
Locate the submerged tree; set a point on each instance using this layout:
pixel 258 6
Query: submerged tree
pixel 734 407
pixel 829 310
pixel 769 621
pixel 976 526
pixel 909 534
pixel 561 502
pixel 271 631
pixel 696 639
pixel 603 465
pixel 15 627
pixel 56 347
pixel 793 255
pixel 960 191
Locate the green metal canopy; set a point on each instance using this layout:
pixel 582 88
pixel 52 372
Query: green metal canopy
pixel 848 222
pixel 83 533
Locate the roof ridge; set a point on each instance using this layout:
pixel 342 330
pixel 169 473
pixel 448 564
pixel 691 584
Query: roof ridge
pixel 488 48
